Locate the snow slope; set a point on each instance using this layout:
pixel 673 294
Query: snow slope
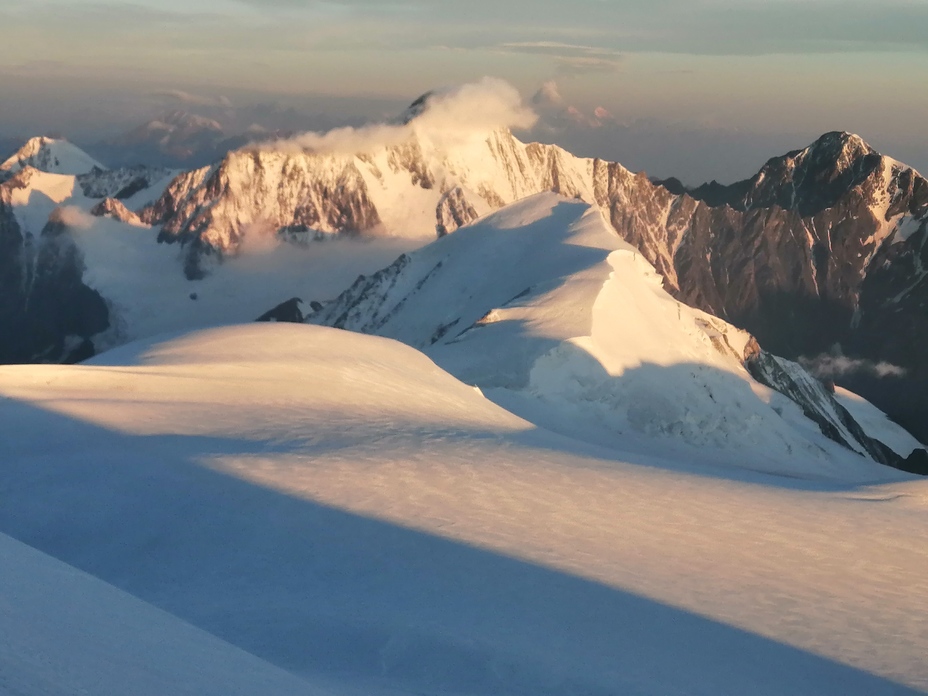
pixel 51 155
pixel 555 317
pixel 148 295
pixel 339 506
pixel 877 423
pixel 65 632
pixel 35 194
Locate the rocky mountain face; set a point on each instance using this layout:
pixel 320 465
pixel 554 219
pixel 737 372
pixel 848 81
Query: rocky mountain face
pixel 819 405
pixel 47 313
pixel 414 188
pixel 114 208
pixel 823 246
pixel 122 183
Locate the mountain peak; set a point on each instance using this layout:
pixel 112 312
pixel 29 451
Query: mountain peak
pixel 840 147
pixel 56 156
pixel 417 108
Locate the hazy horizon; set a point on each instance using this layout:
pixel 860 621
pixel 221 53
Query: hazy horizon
pixel 698 90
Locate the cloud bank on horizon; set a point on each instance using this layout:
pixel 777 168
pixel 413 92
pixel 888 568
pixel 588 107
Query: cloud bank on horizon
pixel 747 77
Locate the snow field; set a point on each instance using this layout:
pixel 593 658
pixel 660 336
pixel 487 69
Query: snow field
pixel 339 506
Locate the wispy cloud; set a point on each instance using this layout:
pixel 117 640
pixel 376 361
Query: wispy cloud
pixel 445 117
pixel 569 59
pixel 180 96
pixel 834 365
pixel 581 65
pixel 557 48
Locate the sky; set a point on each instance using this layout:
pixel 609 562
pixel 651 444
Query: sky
pixel 695 88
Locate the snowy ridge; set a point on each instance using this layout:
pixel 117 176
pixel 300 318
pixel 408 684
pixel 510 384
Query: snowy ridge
pixel 552 315
pixel 413 188
pixel 53 156
pixel 877 424
pixel 127 183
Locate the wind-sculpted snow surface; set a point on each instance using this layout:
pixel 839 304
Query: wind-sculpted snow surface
pixel 66 633
pixel 546 309
pixel 338 506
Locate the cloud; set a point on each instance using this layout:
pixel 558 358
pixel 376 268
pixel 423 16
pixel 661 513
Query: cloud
pixel 557 48
pixel 582 65
pixel 444 117
pixel 834 365
pixel 548 95
pixel 570 59
pixel 183 97
pixel 557 115
pixel 72 216
pixel 258 238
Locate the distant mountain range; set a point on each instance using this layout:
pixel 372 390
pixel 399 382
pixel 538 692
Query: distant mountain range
pixel 821 255
pixel 176 139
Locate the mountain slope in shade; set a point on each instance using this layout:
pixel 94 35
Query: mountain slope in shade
pixel 49 312
pixel 50 155
pixel 340 507
pixel 825 245
pixel 548 311
pixel 68 633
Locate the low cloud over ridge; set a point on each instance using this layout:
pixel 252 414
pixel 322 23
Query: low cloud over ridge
pixel 835 364
pixel 445 117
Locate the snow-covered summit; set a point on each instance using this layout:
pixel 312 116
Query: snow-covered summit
pixel 548 311
pixel 55 156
